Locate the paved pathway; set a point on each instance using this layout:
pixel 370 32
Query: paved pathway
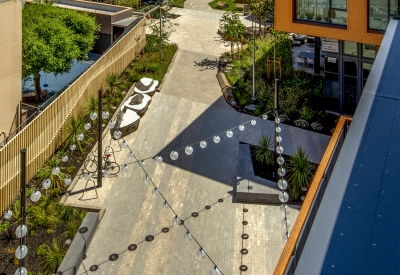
pixel 188 109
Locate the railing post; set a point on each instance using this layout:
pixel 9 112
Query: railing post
pixel 99 142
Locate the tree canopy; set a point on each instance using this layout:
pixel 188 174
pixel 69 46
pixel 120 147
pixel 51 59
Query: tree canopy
pixel 52 38
pixel 231 27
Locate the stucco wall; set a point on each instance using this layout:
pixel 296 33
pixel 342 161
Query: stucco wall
pixel 10 61
pixel 357 23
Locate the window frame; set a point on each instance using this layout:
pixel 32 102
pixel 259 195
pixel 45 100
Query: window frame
pixel 329 23
pixel 389 15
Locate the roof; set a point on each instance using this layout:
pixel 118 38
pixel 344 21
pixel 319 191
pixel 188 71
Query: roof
pixel 88 6
pixel 125 22
pixel 356 230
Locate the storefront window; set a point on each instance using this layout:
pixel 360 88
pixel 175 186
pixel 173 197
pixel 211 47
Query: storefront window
pixel 366 70
pixel 324 11
pixel 368 51
pixel 350 68
pixel 380 13
pixel 350 48
pixel 331 64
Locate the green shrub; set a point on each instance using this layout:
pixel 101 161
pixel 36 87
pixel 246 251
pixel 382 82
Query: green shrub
pixel 71 169
pixel 91 105
pixel 71 229
pixel 45 172
pixel 306 113
pixel 41 250
pixel 44 218
pixel 69 213
pixel 53 257
pixel 71 129
pixel 90 140
pixel 4 226
pixel 300 173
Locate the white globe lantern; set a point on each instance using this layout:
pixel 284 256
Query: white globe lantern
pixel 216 139
pixel 105 115
pixel 55 171
pixel 176 220
pixel 46 184
pixel 35 196
pixel 165 204
pixel 7 215
pixel 253 122
pixel 131 155
pixel 93 116
pixel 215 271
pixel 201 254
pixel 229 133
pixel 87 126
pixel 279 149
pixel 67 181
pixel 284 209
pixel 241 127
pixel 125 169
pixel 21 252
pixel 189 150
pixel 21 230
pixel 64 158
pixel 21 271
pixel 72 147
pixel 174 155
pixel 117 134
pixel 265 116
pixel 155 192
pixel 158 159
pixel 188 236
pixel 281 171
pixel 203 144
pixel 80 136
pixel 278 129
pixel 283 196
pixel 282 184
pixel 88 176
pixel 279 139
pixel 124 144
pixel 111 124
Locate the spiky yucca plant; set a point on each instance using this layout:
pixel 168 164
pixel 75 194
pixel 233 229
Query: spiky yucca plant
pixel 300 173
pixel 90 105
pixel 71 129
pixel 46 172
pixel 112 84
pixel 53 257
pixel 263 151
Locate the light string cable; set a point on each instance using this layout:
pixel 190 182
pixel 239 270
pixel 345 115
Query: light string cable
pixel 227 132
pixel 166 202
pixel 282 183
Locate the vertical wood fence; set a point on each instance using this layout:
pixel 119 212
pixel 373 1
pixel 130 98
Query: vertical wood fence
pixel 43 135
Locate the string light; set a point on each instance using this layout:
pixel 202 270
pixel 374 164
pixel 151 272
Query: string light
pixel 216 139
pixel 282 183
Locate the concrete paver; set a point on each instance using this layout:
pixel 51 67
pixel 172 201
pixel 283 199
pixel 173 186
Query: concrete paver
pixel 188 109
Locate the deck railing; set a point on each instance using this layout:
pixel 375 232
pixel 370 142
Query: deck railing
pixel 42 136
pixel 295 244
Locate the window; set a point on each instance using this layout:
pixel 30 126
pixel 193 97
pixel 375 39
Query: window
pixel 350 48
pixel 368 51
pixel 380 13
pixel 324 11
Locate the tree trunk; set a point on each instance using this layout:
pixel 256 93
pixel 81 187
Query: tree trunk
pixel 38 90
pixel 232 49
pixel 259 26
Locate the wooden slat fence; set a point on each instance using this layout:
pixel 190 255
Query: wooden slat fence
pixel 43 135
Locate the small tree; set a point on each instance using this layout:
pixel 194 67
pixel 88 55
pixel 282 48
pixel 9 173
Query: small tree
pixel 300 173
pixel 263 151
pixel 52 38
pixel 231 27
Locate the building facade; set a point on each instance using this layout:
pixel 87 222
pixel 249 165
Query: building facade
pixel 351 33
pixel 10 64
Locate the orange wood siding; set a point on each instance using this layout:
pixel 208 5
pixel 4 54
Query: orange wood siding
pixel 357 23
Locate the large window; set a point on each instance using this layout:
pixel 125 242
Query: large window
pixel 324 11
pixel 380 12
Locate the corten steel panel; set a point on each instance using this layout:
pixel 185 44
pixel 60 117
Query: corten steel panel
pixel 357 23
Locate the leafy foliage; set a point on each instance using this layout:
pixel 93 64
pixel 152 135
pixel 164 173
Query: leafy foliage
pixel 71 129
pixel 90 105
pixel 52 38
pixel 159 38
pixel 263 151
pixel 127 3
pixel 69 213
pixel 57 181
pixel 44 218
pixel 4 226
pixel 112 84
pixel 41 250
pixel 300 173
pixel 71 229
pixel 53 257
pixel 231 27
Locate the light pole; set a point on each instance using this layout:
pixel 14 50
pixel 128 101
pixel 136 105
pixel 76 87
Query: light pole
pixel 254 64
pixel 99 142
pixel 276 109
pixel 161 30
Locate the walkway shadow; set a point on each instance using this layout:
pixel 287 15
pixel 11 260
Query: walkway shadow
pixel 207 64
pixel 219 161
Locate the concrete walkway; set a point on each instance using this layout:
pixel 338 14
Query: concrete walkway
pixel 189 108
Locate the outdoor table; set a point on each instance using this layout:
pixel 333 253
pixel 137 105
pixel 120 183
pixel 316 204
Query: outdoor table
pixel 308 55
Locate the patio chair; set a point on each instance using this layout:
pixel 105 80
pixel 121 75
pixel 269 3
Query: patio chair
pixel 310 62
pixel 300 60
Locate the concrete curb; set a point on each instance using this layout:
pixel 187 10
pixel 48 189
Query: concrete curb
pixel 225 87
pixel 77 250
pixel 166 74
